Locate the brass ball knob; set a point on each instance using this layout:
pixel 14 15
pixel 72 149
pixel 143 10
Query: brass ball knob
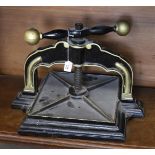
pixel 32 36
pixel 122 28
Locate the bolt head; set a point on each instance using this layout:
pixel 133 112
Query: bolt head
pixel 88 46
pixel 78 26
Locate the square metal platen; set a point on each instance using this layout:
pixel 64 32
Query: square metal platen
pixel 97 113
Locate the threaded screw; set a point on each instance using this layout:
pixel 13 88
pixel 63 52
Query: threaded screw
pixel 78 79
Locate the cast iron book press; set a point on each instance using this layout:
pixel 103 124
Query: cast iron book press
pixel 76 104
